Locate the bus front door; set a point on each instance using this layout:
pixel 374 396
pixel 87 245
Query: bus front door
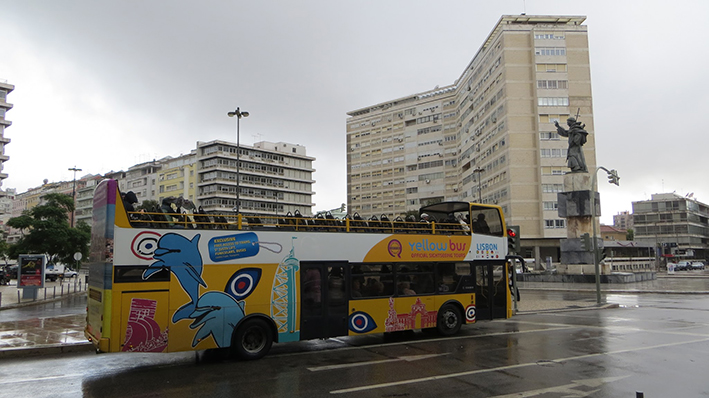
pixel 490 291
pixel 323 299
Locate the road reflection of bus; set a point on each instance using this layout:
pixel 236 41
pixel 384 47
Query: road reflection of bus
pixel 168 281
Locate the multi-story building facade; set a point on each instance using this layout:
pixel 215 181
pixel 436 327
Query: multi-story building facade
pixel 142 179
pixel 85 198
pixel 177 177
pixel 489 137
pixel 677 225
pixel 5 89
pixel 274 178
pixel 623 220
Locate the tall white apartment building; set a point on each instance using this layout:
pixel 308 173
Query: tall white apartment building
pixel 274 178
pixel 488 137
pixel 5 89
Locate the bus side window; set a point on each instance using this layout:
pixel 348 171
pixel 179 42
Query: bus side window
pixel 446 278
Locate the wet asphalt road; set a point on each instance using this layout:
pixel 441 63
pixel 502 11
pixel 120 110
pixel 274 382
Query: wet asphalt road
pixel 655 343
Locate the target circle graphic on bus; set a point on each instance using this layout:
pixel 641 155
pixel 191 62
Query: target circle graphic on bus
pixel 243 283
pixel 144 244
pixel 361 322
pixel 470 313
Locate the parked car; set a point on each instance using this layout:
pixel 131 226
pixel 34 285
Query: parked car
pixel 697 265
pixel 11 271
pixel 69 273
pixel 683 266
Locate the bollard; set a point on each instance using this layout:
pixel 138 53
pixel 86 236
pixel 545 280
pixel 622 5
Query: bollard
pixel 0 299
pixel 639 394
pixel 18 297
pixel 62 292
pixel 55 292
pixel 45 293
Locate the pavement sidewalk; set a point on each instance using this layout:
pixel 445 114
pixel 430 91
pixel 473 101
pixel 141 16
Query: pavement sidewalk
pixel 37 335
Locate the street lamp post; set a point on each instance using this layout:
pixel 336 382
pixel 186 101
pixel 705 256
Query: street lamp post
pixel 613 179
pixel 73 194
pixel 479 170
pixel 239 114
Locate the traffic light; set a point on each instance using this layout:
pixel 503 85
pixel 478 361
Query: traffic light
pixel 613 177
pixel 513 243
pixel 586 244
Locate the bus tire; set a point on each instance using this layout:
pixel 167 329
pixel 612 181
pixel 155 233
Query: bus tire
pixel 252 340
pixel 450 319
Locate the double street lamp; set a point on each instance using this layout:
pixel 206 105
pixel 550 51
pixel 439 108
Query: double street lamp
pixel 239 114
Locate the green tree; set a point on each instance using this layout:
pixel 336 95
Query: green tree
pixel 45 230
pixel 630 234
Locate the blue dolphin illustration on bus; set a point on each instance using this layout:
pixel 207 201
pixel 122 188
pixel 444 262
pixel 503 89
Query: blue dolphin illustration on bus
pixel 181 255
pixel 216 314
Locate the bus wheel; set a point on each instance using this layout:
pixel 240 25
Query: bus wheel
pixel 449 320
pixel 252 340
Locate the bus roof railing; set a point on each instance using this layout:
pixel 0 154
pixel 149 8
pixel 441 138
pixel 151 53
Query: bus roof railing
pixel 160 220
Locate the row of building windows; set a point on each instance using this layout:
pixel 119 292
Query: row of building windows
pixel 552 84
pixel 549 224
pixel 550 51
pixel 551 67
pixel 553 152
pixel 551 206
pixel 551 188
pixel 548 118
pixel 553 101
pixel 549 136
pixel 548 36
pixel 553 170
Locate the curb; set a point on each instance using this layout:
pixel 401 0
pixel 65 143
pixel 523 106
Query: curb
pixel 570 309
pixel 24 352
pixel 42 301
pixel 613 291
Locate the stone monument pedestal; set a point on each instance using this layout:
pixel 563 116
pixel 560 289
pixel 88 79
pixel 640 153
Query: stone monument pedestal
pixel 575 206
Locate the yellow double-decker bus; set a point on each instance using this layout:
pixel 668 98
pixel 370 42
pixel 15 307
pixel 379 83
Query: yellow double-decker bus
pixel 171 281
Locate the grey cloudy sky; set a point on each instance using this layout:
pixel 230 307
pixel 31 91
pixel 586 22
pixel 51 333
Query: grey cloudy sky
pixel 103 85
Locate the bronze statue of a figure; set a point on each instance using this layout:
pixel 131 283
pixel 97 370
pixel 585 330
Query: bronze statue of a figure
pixel 577 137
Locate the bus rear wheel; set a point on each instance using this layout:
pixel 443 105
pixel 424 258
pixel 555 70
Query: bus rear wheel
pixel 450 320
pixel 252 340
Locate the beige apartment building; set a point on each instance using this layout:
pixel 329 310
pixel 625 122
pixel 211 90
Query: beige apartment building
pixel 488 137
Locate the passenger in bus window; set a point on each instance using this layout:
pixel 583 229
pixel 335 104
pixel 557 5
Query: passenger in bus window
pixel 356 288
pixel 374 288
pixel 405 289
pixel 480 225
pixel 463 223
